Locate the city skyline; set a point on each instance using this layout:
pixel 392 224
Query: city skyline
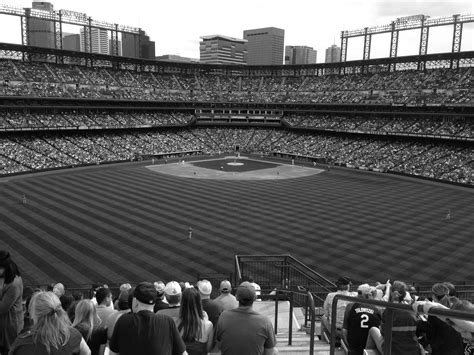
pixel 176 27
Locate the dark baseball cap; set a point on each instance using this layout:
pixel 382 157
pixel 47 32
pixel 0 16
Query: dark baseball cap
pixel 145 292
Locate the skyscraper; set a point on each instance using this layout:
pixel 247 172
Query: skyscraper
pixel 217 49
pixel 40 32
pixel 300 55
pixel 333 54
pixel 138 45
pixel 71 42
pixel 98 41
pixel 265 46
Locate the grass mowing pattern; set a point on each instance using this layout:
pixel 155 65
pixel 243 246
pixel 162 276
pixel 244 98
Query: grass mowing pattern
pixel 126 223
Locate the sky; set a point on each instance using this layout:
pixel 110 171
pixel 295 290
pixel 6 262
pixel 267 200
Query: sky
pixel 177 25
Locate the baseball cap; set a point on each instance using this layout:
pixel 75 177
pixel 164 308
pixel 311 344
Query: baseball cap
pixel 160 287
pixel 365 289
pixel 145 292
pixel 204 287
pixel 246 291
pixel 225 286
pixel 172 288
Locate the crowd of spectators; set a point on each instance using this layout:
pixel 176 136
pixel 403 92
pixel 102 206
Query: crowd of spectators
pixel 151 317
pixel 408 87
pixel 17 120
pixel 452 127
pixel 185 317
pixel 414 330
pixel 447 161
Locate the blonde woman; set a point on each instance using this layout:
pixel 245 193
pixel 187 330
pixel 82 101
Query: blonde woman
pixel 88 323
pixel 51 333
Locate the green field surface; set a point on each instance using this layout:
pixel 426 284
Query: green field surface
pixel 128 223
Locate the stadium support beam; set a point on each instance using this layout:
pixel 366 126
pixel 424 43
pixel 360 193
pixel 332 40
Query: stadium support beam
pixel 424 35
pixel 115 44
pixel 344 42
pixel 457 38
pixel 367 42
pixel 25 32
pixel 58 33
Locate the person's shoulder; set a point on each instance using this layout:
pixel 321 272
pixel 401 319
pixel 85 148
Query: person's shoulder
pixel 75 335
pixel 163 317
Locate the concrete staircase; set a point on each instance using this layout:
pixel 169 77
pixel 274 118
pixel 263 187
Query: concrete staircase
pixel 300 345
pixel 300 337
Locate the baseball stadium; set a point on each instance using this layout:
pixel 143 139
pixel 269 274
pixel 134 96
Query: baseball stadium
pixel 116 170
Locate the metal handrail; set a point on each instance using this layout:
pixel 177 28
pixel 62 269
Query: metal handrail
pixel 313 318
pixel 294 263
pixel 290 318
pixel 390 306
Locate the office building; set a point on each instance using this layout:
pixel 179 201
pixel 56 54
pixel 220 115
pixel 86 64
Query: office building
pixel 265 46
pixel 98 41
pixel 71 42
pixel 217 49
pixel 300 55
pixel 333 54
pixel 138 45
pixel 40 32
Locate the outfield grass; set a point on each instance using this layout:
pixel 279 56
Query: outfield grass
pixel 128 223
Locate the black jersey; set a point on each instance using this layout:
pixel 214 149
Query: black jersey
pixel 359 318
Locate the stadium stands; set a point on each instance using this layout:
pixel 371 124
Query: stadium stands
pixel 416 140
pixel 409 87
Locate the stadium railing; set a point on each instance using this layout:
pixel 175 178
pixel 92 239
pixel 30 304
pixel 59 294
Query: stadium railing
pixel 283 272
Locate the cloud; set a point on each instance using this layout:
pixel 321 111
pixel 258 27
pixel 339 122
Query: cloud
pixel 394 9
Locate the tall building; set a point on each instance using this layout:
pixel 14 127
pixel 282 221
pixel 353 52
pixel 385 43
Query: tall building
pixel 138 45
pixel 217 49
pixel 71 42
pixel 333 54
pixel 265 46
pixel 98 41
pixel 40 32
pixel 300 55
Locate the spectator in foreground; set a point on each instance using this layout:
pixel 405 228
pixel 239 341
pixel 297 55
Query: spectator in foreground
pixel 173 296
pixel 196 330
pixel 358 319
pixel 464 327
pixel 443 338
pixel 88 323
pixel 11 302
pixel 404 340
pixel 51 332
pixel 212 308
pixel 244 331
pixel 144 332
pixel 104 301
pixel 161 302
pixel 343 286
pixel 226 299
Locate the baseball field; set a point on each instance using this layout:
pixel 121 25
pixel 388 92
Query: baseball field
pixel 131 222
